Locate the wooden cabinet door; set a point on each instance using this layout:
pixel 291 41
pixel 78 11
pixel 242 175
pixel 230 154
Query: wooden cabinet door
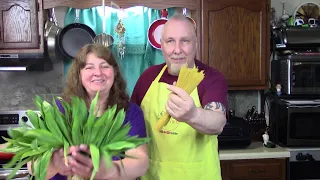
pixel 253 169
pixel 19 25
pixel 235 40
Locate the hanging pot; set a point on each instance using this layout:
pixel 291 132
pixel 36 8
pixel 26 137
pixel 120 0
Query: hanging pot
pixel 103 38
pixel 155 30
pixel 51 31
pixel 74 36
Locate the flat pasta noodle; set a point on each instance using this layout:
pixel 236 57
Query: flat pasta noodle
pixel 188 80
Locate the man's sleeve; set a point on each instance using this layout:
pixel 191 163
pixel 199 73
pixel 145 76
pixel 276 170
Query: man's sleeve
pixel 135 93
pixel 216 91
pixel 143 85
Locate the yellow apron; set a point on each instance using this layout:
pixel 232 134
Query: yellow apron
pixel 178 152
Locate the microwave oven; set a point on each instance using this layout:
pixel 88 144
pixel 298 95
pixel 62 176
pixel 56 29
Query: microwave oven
pixel 298 74
pixel 294 122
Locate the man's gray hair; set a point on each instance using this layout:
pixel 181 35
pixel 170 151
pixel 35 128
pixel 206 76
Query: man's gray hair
pixel 180 17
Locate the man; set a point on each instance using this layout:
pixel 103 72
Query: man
pixel 187 147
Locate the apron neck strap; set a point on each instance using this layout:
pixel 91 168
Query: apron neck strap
pixel 160 74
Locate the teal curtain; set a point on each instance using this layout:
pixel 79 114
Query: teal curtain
pixel 139 54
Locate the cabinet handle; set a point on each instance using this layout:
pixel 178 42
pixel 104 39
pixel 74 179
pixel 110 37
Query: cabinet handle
pixel 0 35
pixel 255 171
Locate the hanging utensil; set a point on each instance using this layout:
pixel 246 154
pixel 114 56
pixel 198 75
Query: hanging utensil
pixel 103 38
pixel 120 30
pixel 184 12
pixel 284 16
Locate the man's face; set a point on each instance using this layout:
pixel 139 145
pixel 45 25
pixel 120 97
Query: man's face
pixel 178 44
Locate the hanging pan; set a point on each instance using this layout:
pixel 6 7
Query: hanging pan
pixel 75 36
pixel 103 38
pixel 51 31
pixel 155 30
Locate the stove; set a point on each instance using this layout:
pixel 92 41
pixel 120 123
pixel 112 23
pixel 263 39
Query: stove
pixel 12 119
pixel 304 163
pixel 21 174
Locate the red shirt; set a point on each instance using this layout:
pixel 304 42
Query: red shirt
pixel 213 88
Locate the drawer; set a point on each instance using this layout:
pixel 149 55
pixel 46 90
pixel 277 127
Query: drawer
pixel 258 169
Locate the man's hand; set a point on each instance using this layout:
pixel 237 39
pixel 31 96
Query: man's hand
pixel 180 105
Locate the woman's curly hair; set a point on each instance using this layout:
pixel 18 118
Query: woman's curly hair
pixel 74 86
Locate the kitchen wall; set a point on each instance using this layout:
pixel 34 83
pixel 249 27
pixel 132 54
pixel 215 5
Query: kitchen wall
pixel 17 89
pixel 290 5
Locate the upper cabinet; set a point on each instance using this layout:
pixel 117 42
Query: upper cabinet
pixel 20 26
pixel 235 40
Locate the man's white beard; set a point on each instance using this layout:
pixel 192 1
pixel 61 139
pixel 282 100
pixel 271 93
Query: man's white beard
pixel 174 69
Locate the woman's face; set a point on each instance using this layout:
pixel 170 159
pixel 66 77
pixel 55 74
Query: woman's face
pixel 97 75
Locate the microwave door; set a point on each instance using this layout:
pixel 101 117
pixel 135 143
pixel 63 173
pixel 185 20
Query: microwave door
pixel 305 76
pixel 303 125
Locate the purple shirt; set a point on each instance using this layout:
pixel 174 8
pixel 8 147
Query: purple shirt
pixel 213 88
pixel 134 115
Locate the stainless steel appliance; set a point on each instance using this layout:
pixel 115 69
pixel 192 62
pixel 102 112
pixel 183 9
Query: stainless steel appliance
pixel 294 122
pixel 304 164
pixel 297 66
pixel 298 74
pixel 11 119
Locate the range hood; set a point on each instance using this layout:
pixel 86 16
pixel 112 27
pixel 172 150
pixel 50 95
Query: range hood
pixel 24 62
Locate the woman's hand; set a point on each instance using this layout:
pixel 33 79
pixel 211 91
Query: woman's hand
pixel 58 163
pixel 81 163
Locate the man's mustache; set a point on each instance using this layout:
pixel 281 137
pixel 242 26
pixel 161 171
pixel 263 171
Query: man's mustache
pixel 177 57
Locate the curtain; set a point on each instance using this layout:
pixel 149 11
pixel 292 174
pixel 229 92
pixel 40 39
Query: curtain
pixel 139 54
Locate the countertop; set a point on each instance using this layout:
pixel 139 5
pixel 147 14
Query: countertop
pixel 256 150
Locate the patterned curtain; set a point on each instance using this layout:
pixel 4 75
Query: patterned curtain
pixel 139 54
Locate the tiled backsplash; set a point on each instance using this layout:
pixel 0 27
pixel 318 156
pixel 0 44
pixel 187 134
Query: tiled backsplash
pixel 17 90
pixel 241 101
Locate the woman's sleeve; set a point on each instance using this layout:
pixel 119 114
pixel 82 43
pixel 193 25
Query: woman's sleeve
pixel 135 117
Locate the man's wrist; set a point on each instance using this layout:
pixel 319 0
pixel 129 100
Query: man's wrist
pixel 195 115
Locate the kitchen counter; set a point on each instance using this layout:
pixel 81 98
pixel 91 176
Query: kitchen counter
pixel 256 150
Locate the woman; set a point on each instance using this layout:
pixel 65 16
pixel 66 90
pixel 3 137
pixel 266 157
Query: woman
pixel 95 69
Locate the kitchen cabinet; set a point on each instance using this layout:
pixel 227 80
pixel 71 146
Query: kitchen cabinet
pixel 21 26
pixel 254 169
pixel 235 40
